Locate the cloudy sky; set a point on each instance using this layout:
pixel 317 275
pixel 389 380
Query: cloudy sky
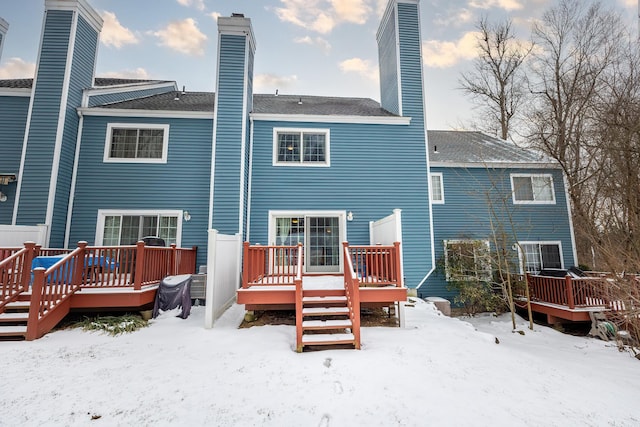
pixel 313 47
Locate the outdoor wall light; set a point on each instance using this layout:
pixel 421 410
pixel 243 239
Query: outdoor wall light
pixel 186 215
pixel 3 197
pixel 349 216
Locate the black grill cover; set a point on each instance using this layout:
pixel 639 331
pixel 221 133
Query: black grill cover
pixel 174 291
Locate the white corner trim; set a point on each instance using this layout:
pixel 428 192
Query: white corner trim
pixel 88 13
pixel 23 156
pixel 162 114
pixel 17 92
pixel 379 120
pixel 570 215
pixel 72 191
pixel 57 151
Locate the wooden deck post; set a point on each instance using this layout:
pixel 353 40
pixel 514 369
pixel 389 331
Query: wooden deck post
pixel 173 262
pixel 139 267
pixel 34 306
pixel 79 267
pixel 26 265
pixel 245 265
pixel 569 289
pixel 398 264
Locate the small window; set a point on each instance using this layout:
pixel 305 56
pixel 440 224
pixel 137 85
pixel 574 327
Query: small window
pixel 539 255
pixel 136 143
pixel 467 260
pixel 532 189
pixel 437 190
pixel 296 147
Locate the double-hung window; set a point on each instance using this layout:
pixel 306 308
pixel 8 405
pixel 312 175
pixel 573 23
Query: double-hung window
pixel 437 189
pixel 136 143
pixel 467 260
pixel 127 227
pixel 539 255
pixel 532 189
pixel 301 147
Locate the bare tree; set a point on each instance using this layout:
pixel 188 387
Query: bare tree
pixel 577 44
pixel 497 82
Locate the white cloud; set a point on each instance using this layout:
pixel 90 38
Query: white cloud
pixel 215 15
pixel 362 67
pixel 17 68
pixel 138 73
pixel 198 4
pixel 454 18
pixel 502 4
pixel 183 36
pixel 114 34
pixel 443 54
pixel 271 82
pixel 321 43
pixel 323 15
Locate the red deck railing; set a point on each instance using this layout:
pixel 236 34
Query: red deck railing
pixel 352 290
pixel 270 265
pixel 14 278
pixel 568 291
pixel 377 265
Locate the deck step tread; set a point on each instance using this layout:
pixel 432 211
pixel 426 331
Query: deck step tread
pixel 324 311
pixel 326 324
pixel 336 298
pixel 322 339
pixel 12 330
pixel 18 304
pixel 9 317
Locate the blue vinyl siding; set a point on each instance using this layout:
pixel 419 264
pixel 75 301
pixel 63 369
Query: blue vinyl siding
pixel 388 63
pixel 410 63
pixel 228 158
pixel 13 119
pixel 44 118
pixel 475 196
pixel 247 154
pixel 180 184
pixel 127 94
pixel 81 76
pixel 374 169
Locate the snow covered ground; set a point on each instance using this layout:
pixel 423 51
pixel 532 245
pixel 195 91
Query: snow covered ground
pixel 437 371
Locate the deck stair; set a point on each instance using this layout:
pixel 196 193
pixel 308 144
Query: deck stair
pixel 13 319
pixel 326 319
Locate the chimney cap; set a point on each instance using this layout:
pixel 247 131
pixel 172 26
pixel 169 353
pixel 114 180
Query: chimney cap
pixel 237 15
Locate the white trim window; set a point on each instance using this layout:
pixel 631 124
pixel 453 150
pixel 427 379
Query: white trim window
pixel 467 260
pixel 538 255
pixel 121 227
pixel 136 143
pixel 532 189
pixel 437 188
pixel 301 147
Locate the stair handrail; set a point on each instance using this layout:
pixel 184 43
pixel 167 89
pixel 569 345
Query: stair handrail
pixel 352 292
pixel 15 273
pixel 53 287
pixel 298 283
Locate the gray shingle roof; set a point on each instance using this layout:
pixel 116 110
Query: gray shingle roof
pixel 446 146
pixel 263 104
pixel 169 101
pixel 17 83
pixel 317 105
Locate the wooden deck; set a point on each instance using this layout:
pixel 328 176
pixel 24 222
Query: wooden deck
pixel 327 307
pixel 567 299
pixel 90 278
